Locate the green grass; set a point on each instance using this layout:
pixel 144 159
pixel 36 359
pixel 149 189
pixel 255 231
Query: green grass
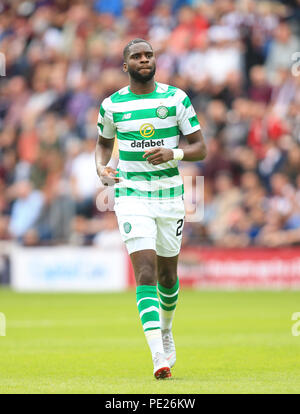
pixel 227 342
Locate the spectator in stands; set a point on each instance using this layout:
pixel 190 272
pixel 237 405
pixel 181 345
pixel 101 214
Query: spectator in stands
pixel 84 180
pixel 26 209
pixel 228 196
pixel 237 126
pixel 54 221
pixel 114 7
pixel 260 90
pixel 283 46
pixel 216 161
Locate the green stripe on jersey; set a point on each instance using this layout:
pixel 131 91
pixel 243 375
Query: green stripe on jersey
pixel 102 111
pixel 134 155
pixel 100 126
pixel 140 114
pixel 194 121
pixel 186 102
pixel 131 156
pixel 163 193
pixel 158 134
pixel 148 175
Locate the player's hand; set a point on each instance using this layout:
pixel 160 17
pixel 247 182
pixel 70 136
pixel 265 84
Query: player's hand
pixel 158 155
pixel 107 175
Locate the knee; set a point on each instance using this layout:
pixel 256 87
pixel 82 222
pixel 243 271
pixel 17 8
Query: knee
pixel 146 274
pixel 167 279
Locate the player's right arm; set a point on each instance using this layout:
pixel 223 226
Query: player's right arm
pixel 103 153
pixel 104 146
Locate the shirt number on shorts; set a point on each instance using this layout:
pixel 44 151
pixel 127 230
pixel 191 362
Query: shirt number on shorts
pixel 179 228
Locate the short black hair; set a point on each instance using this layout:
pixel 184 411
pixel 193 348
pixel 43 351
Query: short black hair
pixel 133 42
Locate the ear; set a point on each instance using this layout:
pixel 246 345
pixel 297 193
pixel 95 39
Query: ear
pixel 125 68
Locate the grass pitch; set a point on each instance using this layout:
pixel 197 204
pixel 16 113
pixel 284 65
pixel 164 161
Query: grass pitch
pixel 227 342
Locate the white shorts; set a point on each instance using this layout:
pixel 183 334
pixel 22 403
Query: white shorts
pixel 151 225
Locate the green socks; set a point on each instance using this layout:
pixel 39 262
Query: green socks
pixel 167 300
pixel 156 312
pixel 148 307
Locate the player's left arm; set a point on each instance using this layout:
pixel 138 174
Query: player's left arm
pixel 196 150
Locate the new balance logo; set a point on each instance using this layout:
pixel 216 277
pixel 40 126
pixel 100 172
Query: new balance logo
pixel 126 116
pixel 146 143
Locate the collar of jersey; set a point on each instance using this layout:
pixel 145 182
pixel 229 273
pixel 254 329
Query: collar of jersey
pixel 144 95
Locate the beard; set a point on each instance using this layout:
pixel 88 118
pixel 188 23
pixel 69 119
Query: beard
pixel 143 78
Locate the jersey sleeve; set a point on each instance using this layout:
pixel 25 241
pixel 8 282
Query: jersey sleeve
pixel 105 125
pixel 186 115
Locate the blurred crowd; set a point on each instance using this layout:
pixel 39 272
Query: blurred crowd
pixel 239 61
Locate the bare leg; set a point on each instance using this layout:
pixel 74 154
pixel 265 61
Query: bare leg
pixel 145 268
pixel 167 271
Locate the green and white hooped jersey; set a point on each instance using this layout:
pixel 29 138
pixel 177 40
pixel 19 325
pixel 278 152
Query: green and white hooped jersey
pixel 141 122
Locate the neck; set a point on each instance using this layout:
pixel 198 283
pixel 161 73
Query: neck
pixel 140 88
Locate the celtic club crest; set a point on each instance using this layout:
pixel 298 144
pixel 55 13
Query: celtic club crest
pixel 162 112
pixel 127 227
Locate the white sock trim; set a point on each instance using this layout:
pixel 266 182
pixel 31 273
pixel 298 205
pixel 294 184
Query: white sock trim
pixel 145 299
pixel 168 305
pixel 168 296
pixel 150 309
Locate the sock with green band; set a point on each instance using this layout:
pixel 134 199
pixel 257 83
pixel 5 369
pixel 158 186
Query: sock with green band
pixel 148 307
pixel 168 298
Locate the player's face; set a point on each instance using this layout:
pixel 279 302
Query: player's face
pixel 140 62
